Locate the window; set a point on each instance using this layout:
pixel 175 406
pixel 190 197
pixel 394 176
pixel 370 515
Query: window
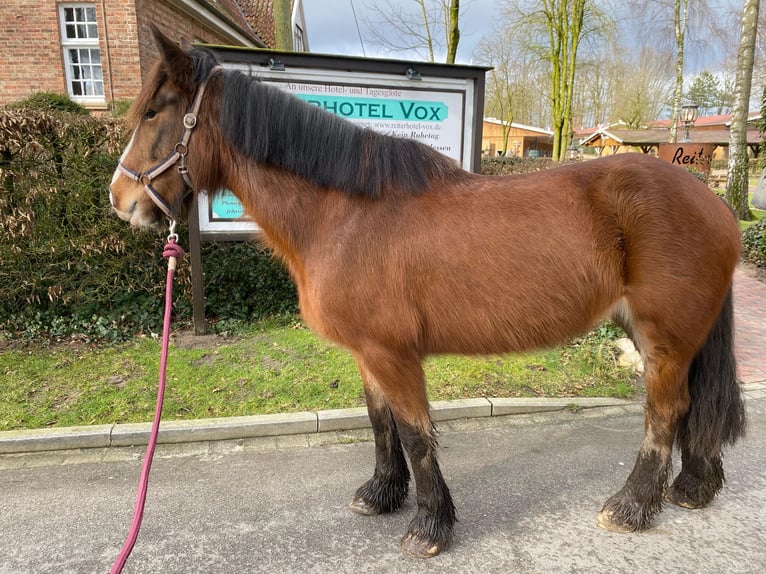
pixel 298 43
pixel 82 56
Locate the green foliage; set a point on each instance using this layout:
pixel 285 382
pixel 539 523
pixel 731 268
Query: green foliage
pixel 754 244
pixel 49 102
pixel 700 175
pixel 706 91
pixel 245 282
pixel 69 267
pixel 120 108
pixel 510 165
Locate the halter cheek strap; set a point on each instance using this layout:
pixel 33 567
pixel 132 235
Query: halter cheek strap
pixel 178 155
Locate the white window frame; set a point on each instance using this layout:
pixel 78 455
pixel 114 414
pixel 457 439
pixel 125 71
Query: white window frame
pixel 68 44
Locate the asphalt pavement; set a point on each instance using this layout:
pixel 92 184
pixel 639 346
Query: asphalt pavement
pixel 527 488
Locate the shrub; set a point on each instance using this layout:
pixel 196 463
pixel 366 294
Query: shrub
pixel 245 281
pixel 120 108
pixel 510 165
pixel 49 102
pixel 69 267
pixel 754 244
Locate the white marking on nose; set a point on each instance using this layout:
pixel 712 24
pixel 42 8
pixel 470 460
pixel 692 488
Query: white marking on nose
pixel 117 172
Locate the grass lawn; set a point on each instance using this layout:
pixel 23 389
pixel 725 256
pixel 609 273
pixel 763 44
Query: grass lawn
pixel 758 214
pixel 267 368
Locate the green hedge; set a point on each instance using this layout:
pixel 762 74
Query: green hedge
pixel 70 267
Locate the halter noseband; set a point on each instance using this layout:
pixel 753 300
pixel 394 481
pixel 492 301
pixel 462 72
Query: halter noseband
pixel 178 155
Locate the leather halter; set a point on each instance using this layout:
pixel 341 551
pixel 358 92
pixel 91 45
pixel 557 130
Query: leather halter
pixel 178 155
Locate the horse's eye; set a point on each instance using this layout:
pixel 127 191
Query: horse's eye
pixel 149 114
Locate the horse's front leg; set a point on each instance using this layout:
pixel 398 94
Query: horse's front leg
pixel 399 382
pixel 387 489
pixel 430 531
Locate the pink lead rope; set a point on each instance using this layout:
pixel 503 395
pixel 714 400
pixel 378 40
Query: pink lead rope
pixel 172 253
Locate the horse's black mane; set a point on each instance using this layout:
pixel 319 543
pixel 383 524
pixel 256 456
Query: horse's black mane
pixel 271 126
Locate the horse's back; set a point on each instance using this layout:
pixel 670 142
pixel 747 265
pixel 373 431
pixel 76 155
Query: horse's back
pixel 490 264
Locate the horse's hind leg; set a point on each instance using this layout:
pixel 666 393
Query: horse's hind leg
pixel 387 489
pixel 667 401
pixel 399 380
pixel 716 416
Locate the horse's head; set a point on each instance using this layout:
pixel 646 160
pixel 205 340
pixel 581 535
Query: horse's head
pixel 152 180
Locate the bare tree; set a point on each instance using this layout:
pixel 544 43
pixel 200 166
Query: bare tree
pixel 737 179
pixel 425 27
pixel 514 86
pixel 641 95
pixel 595 89
pixel 669 26
pixel 556 29
pixel 500 99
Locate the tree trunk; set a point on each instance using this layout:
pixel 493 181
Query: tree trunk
pixel 573 43
pixel 737 178
pixel 565 22
pixel 427 30
pixel 453 31
pixel 283 29
pixel 679 17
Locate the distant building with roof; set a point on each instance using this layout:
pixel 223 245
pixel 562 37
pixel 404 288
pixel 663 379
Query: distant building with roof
pixel 713 130
pixel 515 140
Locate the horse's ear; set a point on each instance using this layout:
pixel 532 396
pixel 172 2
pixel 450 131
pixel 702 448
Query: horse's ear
pixel 177 62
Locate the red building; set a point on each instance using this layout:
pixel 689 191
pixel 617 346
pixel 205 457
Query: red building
pixel 98 51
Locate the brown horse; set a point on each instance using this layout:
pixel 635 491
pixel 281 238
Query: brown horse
pixel 397 253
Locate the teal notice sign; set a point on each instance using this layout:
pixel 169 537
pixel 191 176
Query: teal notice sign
pixel 369 108
pixel 225 206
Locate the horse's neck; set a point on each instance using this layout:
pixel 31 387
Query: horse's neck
pixel 289 209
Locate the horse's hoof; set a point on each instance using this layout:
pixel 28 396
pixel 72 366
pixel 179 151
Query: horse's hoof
pixel 416 547
pixel 361 506
pixel 605 520
pixel 676 497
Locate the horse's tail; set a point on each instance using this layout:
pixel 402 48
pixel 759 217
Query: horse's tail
pixel 717 412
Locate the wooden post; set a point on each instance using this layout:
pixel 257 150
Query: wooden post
pixel 197 276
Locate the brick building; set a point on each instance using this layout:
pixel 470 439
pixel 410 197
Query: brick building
pixel 98 51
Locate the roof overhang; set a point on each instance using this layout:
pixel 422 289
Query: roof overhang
pixel 209 16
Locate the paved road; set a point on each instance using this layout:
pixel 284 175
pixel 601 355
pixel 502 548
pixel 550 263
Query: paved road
pixel 527 489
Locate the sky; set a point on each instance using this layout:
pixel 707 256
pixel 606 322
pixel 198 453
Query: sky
pixel 331 28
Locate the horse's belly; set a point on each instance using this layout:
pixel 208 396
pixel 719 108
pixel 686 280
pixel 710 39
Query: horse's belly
pixel 512 315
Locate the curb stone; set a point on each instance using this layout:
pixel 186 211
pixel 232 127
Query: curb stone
pixel 220 429
pixel 286 425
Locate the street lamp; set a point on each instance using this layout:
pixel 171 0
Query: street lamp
pixel 689 114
